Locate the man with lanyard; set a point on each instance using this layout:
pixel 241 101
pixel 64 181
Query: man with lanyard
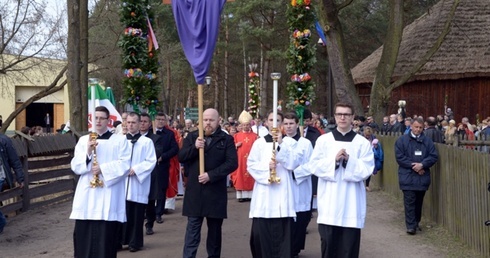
pixel 98 211
pixel 143 160
pixel 342 160
pixel 415 154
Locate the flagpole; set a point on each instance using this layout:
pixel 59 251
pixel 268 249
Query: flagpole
pixel 200 125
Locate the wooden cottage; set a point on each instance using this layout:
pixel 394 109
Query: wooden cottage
pixel 457 76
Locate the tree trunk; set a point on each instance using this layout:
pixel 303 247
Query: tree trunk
pixel 245 81
pixel 73 75
pixel 337 57
pixel 216 89
pixel 378 103
pixel 382 85
pixel 225 81
pixel 264 79
pixel 166 90
pixel 84 62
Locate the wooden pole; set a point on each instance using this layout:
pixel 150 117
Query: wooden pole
pixel 200 126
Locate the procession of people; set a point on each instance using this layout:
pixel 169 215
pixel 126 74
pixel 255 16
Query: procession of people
pixel 125 182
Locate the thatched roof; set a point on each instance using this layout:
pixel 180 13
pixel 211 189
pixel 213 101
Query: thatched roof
pixel 465 52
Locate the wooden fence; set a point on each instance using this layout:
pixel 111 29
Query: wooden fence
pixel 48 177
pixel 458 198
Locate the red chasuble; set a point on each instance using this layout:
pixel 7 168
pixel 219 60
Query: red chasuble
pixel 241 179
pixel 174 169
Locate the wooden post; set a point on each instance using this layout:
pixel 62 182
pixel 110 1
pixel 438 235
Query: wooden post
pixel 26 198
pixel 200 126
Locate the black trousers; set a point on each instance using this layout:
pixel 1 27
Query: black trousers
pixel 152 212
pixel 271 237
pixel 299 231
pixel 413 201
pixel 193 237
pixel 95 238
pixel 339 242
pixel 133 228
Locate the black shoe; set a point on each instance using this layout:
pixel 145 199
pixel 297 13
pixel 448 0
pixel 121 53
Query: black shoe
pixel 159 220
pixel 149 231
pixel 411 231
pixel 133 249
pixel 241 200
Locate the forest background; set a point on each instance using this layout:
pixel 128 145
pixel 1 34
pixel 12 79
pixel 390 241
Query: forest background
pixel 251 32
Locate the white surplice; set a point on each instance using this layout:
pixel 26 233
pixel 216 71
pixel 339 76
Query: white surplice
pixel 271 200
pixel 341 192
pixel 292 155
pixel 142 162
pixel 107 202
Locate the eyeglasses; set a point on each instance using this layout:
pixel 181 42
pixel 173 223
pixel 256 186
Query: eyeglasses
pixel 346 115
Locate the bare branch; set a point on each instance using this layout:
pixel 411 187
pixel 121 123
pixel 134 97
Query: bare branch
pixel 52 88
pixel 344 4
pixel 447 28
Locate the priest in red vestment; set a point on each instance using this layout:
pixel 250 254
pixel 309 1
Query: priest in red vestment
pixel 173 173
pixel 242 180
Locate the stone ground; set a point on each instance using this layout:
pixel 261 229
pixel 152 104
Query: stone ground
pixel 47 232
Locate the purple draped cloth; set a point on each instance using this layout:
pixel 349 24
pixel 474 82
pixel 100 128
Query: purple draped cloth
pixel 198 25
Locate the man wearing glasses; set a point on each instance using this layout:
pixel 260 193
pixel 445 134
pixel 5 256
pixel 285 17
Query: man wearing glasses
pixel 98 211
pixel 341 160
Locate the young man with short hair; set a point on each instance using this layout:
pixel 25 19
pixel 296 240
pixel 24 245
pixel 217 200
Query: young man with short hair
pixel 342 160
pixel 143 160
pixel 98 211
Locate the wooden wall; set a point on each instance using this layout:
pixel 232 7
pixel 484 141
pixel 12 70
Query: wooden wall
pixel 466 97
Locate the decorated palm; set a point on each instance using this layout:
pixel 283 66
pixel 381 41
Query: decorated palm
pixel 139 55
pixel 301 55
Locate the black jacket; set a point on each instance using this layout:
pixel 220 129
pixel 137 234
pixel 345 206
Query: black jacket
pixel 434 134
pixel 410 150
pixel 10 161
pixel 312 134
pixel 156 189
pixel 166 150
pixel 220 159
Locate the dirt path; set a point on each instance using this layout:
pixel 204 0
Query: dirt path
pixel 48 232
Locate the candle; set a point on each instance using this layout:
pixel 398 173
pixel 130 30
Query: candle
pixel 275 77
pixel 92 97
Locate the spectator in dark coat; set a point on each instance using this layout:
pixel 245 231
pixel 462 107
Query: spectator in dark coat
pixel 415 154
pixel 395 125
pixel 432 132
pixel 159 176
pixel 170 150
pixel 370 122
pixel 8 161
pixel 206 194
pixel 385 127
